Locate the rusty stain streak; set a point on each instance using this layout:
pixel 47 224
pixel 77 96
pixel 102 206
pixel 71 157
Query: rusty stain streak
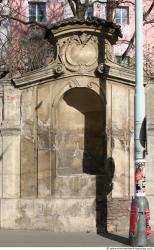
pixel 38 105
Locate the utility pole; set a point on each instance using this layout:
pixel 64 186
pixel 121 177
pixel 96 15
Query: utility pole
pixel 139 233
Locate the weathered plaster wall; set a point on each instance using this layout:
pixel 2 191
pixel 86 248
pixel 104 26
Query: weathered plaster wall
pixel 120 112
pixel 50 201
pixel 36 191
pixel 10 142
pixel 120 132
pixel 67 138
pixel 60 148
pixel 57 215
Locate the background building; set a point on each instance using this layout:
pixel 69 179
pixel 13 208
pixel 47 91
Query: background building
pixel 47 12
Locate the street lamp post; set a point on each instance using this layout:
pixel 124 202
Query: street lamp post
pixel 139 233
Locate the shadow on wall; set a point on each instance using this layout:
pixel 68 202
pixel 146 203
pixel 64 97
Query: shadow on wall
pixel 89 112
pixel 104 187
pixel 83 127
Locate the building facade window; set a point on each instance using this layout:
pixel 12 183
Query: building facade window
pixel 124 62
pixel 37 12
pixel 89 12
pixel 99 9
pixel 122 15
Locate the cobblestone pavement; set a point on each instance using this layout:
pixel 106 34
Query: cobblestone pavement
pixel 16 238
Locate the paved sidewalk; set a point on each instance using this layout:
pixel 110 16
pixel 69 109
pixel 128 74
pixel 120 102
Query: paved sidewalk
pixel 14 238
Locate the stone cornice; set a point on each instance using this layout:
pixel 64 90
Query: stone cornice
pixel 120 73
pixel 41 76
pixel 34 78
pixel 108 33
pixel 150 79
pixel 92 25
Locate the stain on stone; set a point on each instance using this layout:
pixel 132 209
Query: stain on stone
pixel 28 168
pixel 112 142
pixel 27 130
pixel 76 186
pixel 52 140
pixel 38 105
pixel 123 135
pixel 43 137
pixel 23 220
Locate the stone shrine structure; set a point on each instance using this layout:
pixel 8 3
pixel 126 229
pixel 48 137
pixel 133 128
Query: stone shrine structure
pixel 67 142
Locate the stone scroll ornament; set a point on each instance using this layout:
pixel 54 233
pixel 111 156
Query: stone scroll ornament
pixel 140 178
pixel 79 53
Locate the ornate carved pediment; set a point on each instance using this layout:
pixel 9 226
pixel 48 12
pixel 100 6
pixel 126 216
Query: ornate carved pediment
pixel 79 53
pixel 82 49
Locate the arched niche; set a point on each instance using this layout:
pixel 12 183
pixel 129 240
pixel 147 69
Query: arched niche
pixel 80 139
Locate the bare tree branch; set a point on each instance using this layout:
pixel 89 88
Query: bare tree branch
pixel 72 7
pixel 149 10
pixel 41 25
pixel 130 44
pixel 149 22
pixel 128 2
pixel 78 4
pixel 16 15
